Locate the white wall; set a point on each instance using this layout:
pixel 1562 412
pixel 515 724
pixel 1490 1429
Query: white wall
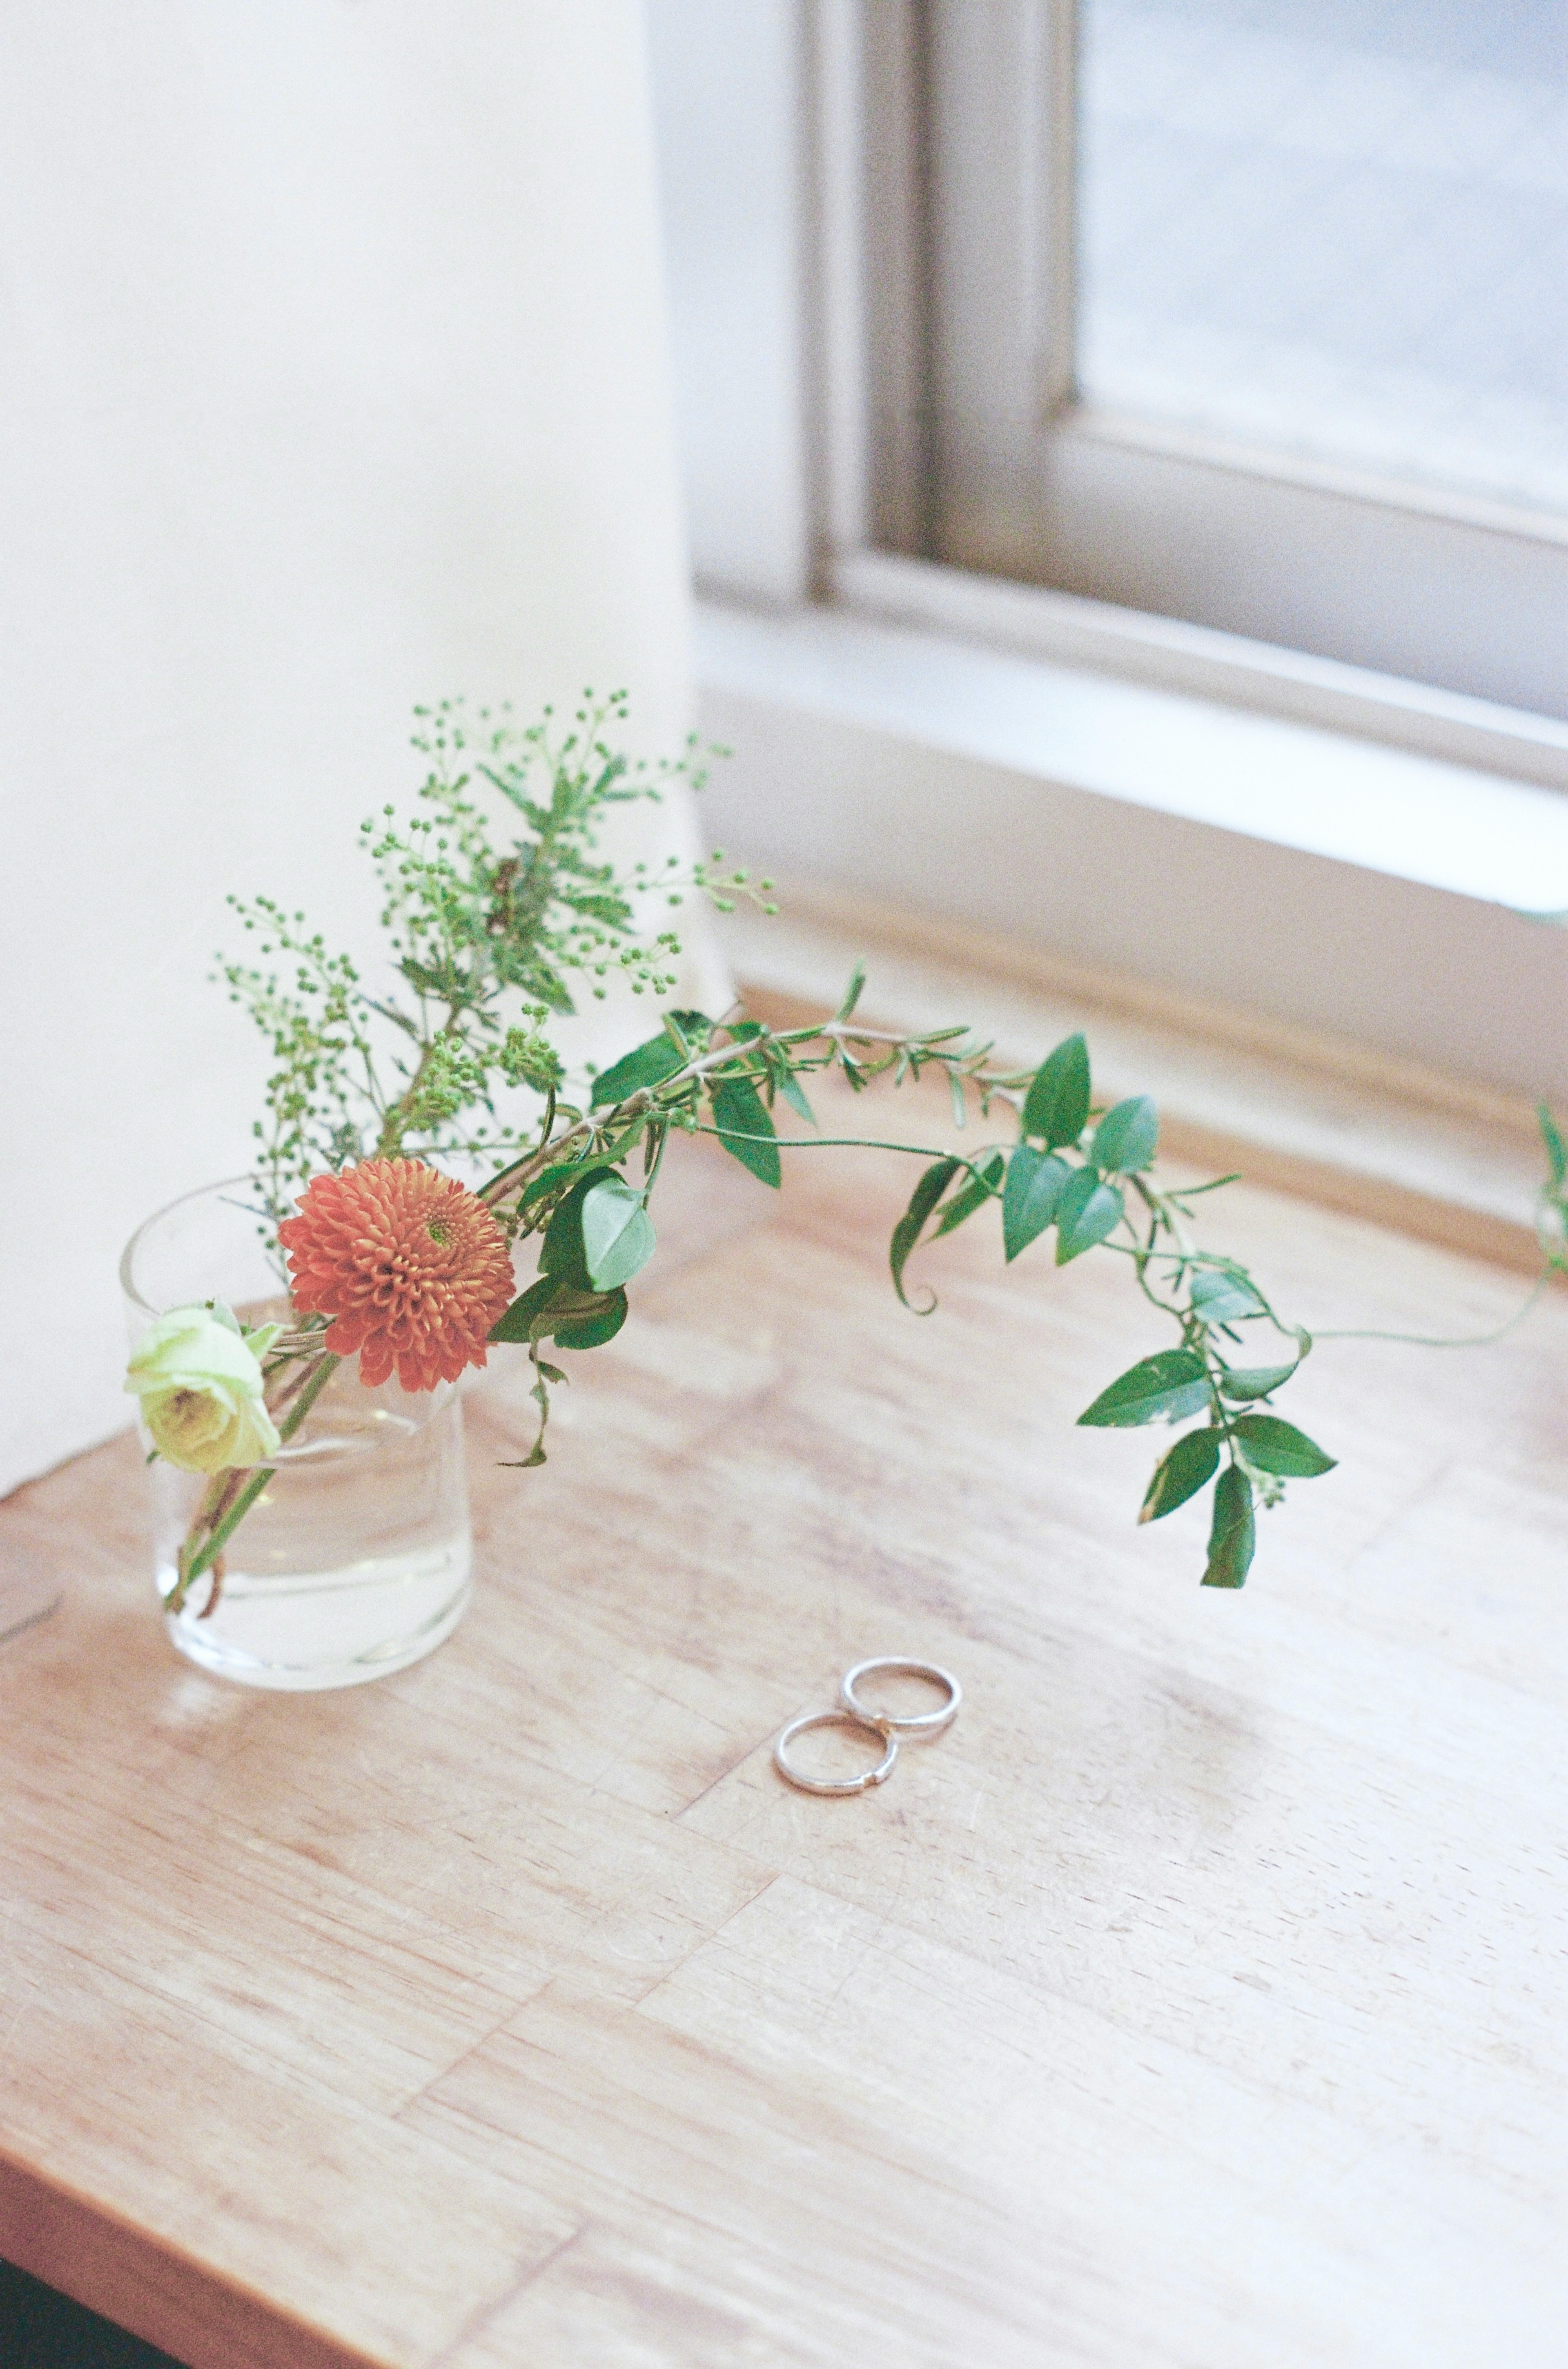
pixel 332 361
pixel 729 90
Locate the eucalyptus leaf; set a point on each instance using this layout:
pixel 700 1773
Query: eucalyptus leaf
pixel 1232 1537
pixel 646 1065
pixel 794 1093
pixel 617 1234
pixel 1556 1150
pixel 1220 1297
pixel 976 1193
pixel 1276 1447
pixel 1162 1389
pixel 1126 1137
pixel 1036 1183
pixel 563 1254
pixel 907 1232
pixel 1184 1468
pixel 738 1108
pixel 1086 1213
pixel 1056 1108
pixel 1239 1383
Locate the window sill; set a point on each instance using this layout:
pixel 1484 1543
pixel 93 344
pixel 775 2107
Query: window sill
pixel 1286 871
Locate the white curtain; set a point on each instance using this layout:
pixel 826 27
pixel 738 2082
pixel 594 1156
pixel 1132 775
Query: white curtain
pixel 333 369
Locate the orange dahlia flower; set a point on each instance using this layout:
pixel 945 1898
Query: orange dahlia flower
pixel 410 1263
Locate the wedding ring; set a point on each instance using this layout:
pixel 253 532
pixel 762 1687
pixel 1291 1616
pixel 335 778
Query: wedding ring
pixel 925 1723
pixel 850 1718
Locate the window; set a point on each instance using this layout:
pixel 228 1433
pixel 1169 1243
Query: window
pixel 918 253
pixel 1251 312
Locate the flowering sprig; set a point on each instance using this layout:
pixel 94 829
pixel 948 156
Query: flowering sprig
pixel 491 935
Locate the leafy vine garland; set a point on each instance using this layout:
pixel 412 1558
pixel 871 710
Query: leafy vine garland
pixel 487 940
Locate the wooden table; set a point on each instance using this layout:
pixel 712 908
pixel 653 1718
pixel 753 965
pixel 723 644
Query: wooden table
pixel 1198 2000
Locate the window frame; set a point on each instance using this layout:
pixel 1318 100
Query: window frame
pixel 979 451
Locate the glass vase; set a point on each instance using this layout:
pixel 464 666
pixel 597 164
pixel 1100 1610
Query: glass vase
pixel 356 1558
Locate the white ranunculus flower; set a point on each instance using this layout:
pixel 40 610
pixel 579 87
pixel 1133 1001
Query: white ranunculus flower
pixel 199 1383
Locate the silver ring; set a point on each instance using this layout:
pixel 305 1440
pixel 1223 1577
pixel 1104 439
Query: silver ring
pixel 878 1776
pixel 925 1723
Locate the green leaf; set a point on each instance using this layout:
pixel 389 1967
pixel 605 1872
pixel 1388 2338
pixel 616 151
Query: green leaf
pixel 907 1232
pixel 738 1105
pixel 1556 1150
pixel 548 1178
pixel 1181 1473
pixel 1220 1298
pixel 563 1254
pixel 1035 1181
pixel 1057 1106
pixel 1086 1213
pixel 852 992
pixel 617 1234
pixel 1125 1137
pixel 1162 1388
pixel 518 1323
pixel 646 1065
pixel 794 1093
pixel 544 985
pixel 550 1306
pixel 591 1331
pixel 976 1193
pixel 1233 1535
pixel 1239 1383
pixel 1276 1446
pixel 693 1030
pixel 742 1034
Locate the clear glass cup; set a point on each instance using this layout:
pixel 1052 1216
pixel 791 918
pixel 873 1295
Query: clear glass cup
pixel 357 1558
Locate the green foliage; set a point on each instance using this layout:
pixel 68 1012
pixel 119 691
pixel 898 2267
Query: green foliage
pixel 743 1128
pixel 981 1187
pixel 1272 1445
pixel 1031 1196
pixel 1126 1137
pixel 1056 1108
pixel 1087 1212
pixel 1186 1468
pixel 649 1064
pixel 1242 1383
pixel 1232 1537
pixel 907 1232
pixel 500 912
pixel 617 1233
pixel 1221 1295
pixel 589 1328
pixel 1552 1205
pixel 1162 1388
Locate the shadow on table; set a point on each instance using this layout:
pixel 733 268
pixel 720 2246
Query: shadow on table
pixel 41 2330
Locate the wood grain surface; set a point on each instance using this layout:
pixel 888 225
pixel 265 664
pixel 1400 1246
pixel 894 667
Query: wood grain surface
pixel 1197 1999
